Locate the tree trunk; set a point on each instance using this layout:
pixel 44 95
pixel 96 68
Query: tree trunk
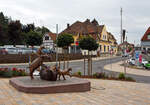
pixel 67 61
pixel 64 59
pixel 89 66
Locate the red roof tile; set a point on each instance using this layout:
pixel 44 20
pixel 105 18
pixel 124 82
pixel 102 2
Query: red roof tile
pixel 52 35
pixel 145 36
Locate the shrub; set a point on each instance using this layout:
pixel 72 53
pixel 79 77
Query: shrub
pixel 121 76
pixel 95 75
pixel 99 75
pixel 112 75
pixel 7 73
pixel 2 70
pixel 129 79
pixel 79 73
pixel 15 73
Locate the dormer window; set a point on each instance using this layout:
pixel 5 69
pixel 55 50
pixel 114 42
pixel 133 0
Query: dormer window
pixel 46 37
pixel 148 37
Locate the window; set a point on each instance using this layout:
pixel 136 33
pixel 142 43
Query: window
pixel 100 47
pixel 46 37
pixel 104 48
pixel 104 37
pixel 148 37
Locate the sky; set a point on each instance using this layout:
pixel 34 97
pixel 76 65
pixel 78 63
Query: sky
pixel 136 17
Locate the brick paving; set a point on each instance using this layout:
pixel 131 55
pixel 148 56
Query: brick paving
pixel 103 92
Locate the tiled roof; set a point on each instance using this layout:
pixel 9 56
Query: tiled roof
pixel 84 28
pixel 52 35
pixel 111 36
pixel 145 38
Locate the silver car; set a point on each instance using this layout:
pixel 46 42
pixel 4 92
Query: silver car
pixel 11 50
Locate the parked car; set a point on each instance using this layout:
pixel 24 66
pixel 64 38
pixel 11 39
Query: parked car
pixel 125 55
pixel 26 50
pixel 144 62
pixel 48 51
pixel 11 50
pixel 147 65
pixel 131 61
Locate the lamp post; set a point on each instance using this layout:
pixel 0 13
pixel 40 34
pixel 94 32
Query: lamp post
pixel 56 46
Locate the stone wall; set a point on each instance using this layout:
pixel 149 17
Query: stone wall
pixel 24 58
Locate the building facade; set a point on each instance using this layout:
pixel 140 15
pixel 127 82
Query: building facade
pixel 105 39
pixel 145 40
pixel 48 40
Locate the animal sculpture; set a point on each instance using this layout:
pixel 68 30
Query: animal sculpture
pixel 48 74
pixel 64 72
pixel 38 61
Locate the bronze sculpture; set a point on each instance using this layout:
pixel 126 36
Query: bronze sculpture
pixel 37 62
pixel 46 73
pixel 64 72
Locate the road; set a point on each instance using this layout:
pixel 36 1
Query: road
pixel 98 66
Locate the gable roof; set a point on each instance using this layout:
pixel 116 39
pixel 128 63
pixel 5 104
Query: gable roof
pixel 111 36
pixel 145 36
pixel 84 28
pixel 52 35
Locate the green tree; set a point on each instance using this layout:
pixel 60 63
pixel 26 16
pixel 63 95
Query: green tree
pixel 33 38
pixel 3 28
pixel 88 43
pixel 14 31
pixel 45 30
pixel 64 41
pixel 42 30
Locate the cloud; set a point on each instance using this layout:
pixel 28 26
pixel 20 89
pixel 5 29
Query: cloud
pixel 49 13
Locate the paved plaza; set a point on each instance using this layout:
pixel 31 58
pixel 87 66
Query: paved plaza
pixel 103 92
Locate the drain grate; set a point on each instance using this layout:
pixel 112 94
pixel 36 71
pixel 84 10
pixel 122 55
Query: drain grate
pixel 98 88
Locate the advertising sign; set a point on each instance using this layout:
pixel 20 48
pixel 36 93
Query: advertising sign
pixel 140 58
pixel 137 55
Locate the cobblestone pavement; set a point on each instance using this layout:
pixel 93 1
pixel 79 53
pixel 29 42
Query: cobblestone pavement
pixel 103 92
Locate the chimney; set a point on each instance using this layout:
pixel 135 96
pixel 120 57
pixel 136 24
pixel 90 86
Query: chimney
pixel 68 25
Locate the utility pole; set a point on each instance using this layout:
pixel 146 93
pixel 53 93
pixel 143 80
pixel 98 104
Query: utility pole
pixel 56 46
pixel 122 41
pixel 121 27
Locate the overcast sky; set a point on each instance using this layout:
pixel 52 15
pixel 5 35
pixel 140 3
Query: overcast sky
pixel 136 17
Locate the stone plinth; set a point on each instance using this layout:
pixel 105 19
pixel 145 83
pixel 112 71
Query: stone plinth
pixel 25 84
